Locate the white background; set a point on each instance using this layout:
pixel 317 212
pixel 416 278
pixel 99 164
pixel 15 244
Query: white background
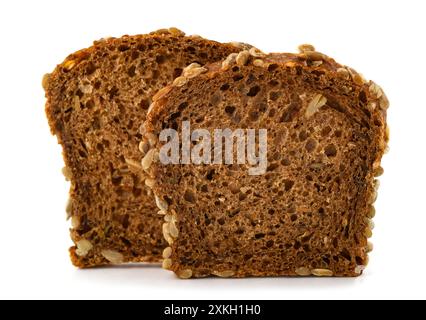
pixel 382 39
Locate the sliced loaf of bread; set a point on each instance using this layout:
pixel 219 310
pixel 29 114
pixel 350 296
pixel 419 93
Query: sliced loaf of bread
pixel 309 212
pixel 96 101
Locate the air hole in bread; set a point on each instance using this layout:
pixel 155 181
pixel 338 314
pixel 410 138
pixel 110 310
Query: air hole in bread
pixel 274 95
pixel 238 77
pixel 224 87
pixel 330 150
pixel 311 145
pixel 326 131
pixel 288 184
pixel 303 135
pixel 272 67
pixel 253 91
pixel 131 71
pixel 230 110
pixel 210 174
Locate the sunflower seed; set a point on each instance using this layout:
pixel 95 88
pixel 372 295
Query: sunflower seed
pixel 173 230
pixel 167 264
pixel 356 77
pixel 224 274
pixel 303 272
pixel 83 247
pixel 317 102
pixel 69 64
pixel 68 208
pixel 75 222
pixel 161 204
pixel 150 183
pixel 152 139
pixel 180 81
pixel 167 253
pixel 322 272
pixel 306 47
pixel 66 172
pixel 134 164
pixel 370 246
pixel 176 32
pixel 359 269
pixel 166 234
pixel 259 63
pixel 151 107
pixel 229 61
pixel 371 212
pixel 254 52
pixel 378 172
pixel 376 184
pixel 242 58
pixel 161 93
pixel 184 274
pixel 193 70
pixel 368 233
pixel 313 55
pixel 384 102
pixel 366 260
pixel 316 63
pixel 45 81
pixel 241 45
pixel 375 90
pixel 148 159
pixel 144 147
pixel 371 106
pixel 113 256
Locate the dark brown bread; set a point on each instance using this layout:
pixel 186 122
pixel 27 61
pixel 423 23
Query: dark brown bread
pixel 96 101
pixel 310 214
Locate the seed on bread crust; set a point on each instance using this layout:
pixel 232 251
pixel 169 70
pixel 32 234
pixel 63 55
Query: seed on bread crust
pixel 184 274
pixel 229 61
pixel 255 52
pixel 83 247
pixel 306 47
pixel 322 272
pixel 242 58
pixel 167 253
pixel 45 81
pixel 224 274
pixel 68 208
pixel 193 70
pixel 180 81
pixel 259 63
pixel 167 264
pixel 148 159
pixel 303 272
pixel 113 256
pixel 68 65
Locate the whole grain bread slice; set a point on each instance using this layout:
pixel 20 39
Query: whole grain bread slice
pixel 310 212
pixel 96 101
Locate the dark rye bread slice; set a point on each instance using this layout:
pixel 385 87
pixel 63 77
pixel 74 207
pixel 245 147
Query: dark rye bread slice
pixel 310 213
pixel 96 101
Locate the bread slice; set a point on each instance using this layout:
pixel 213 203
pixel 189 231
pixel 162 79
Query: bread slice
pixel 310 212
pixel 96 101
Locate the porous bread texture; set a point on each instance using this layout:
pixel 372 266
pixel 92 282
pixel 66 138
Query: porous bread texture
pixel 96 101
pixel 310 214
